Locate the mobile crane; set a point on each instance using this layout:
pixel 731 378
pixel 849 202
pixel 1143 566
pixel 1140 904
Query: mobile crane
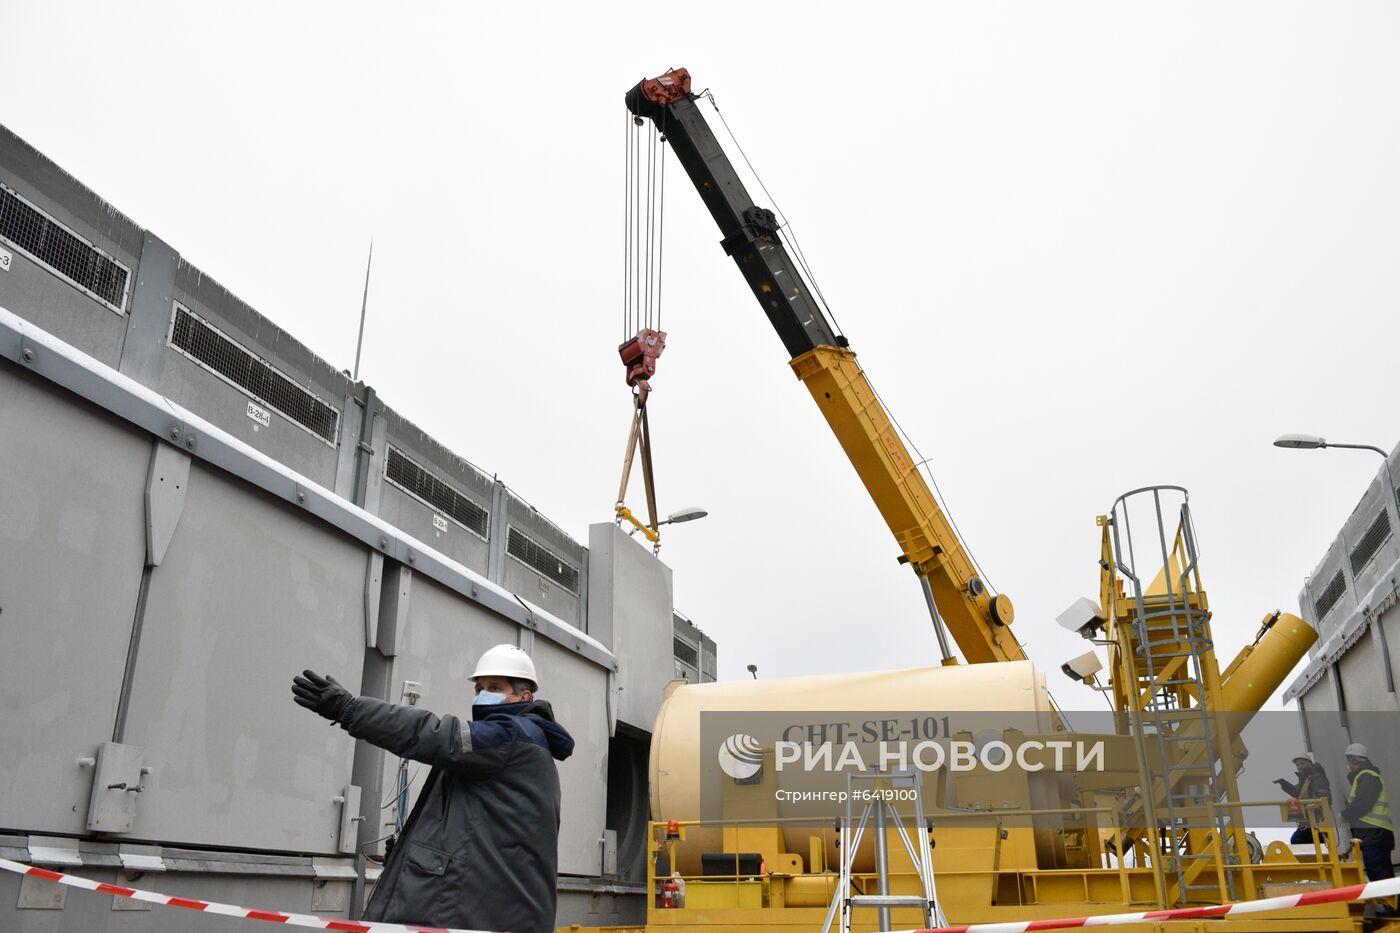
pixel 1159 825
pixel 978 620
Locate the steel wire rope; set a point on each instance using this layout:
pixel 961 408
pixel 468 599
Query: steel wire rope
pixel 651 157
pixel 797 247
pixel 651 226
pixel 633 310
pixel 661 219
pixel 637 310
pixel 626 223
pixel 923 463
pixel 816 288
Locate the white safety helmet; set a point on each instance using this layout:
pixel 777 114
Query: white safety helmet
pixel 1305 756
pixel 1357 750
pixel 506 661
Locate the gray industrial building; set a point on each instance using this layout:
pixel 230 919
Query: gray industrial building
pixel 1346 693
pixel 194 507
pixel 694 651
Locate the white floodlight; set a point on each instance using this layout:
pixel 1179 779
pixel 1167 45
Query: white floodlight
pixel 1300 441
pixel 684 515
pixel 1083 667
pixel 1083 618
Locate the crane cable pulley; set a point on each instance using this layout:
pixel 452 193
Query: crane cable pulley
pixel 643 340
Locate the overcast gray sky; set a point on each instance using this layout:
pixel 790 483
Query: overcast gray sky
pixel 1080 248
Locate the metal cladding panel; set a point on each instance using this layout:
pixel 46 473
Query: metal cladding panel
pixel 351 421
pixel 1328 743
pixel 217 399
pixel 1390 624
pixel 1338 604
pixel 69 200
pixel 249 594
pixel 445 634
pixel 415 495
pixel 92 912
pixel 438 647
pixel 416 517
pixel 51 302
pixel 709 663
pixel 1370 539
pixel 630 609
pixel 72 545
pixel 1363 677
pixel 408 506
pixel 578 692
pixel 60 309
pixel 606 908
pixel 1306 613
pixel 546 566
pixel 1322 697
pixel 432 455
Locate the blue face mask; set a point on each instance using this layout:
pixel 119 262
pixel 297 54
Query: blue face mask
pixel 487 698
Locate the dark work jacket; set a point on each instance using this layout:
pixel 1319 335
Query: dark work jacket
pixel 1317 785
pixel 481 848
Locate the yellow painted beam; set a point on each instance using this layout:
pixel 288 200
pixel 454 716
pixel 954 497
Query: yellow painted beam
pixel 978 621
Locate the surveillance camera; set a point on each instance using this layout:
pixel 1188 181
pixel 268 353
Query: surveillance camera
pixel 1083 667
pixel 1084 618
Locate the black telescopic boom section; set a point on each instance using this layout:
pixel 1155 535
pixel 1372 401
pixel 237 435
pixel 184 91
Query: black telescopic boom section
pixel 750 232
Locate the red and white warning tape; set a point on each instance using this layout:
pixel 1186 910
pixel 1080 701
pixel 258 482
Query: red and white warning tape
pixel 1355 892
pixel 223 910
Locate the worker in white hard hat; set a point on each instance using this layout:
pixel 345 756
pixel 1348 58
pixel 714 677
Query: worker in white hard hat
pixel 1367 812
pixel 1312 785
pixel 480 850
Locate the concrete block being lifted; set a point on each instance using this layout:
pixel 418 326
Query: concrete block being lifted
pixel 629 610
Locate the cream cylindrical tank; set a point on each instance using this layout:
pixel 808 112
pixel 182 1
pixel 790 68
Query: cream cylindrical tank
pixel 683 772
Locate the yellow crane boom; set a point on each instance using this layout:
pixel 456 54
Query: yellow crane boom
pixel 977 619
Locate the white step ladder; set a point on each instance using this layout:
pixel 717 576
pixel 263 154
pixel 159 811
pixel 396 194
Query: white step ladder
pixel 880 785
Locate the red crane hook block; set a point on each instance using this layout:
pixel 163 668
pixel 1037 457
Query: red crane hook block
pixel 639 356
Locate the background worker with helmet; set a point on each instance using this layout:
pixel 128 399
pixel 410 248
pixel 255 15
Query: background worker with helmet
pixel 1368 813
pixel 1312 785
pixel 480 849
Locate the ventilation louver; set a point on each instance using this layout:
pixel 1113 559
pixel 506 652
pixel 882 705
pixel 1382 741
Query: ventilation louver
pixel 61 251
pixel 1336 588
pixel 1370 542
pixel 542 560
pixel 424 486
pixel 685 653
pixel 206 345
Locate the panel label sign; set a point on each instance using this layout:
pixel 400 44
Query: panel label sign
pixel 439 523
pixel 261 415
pixel 5 260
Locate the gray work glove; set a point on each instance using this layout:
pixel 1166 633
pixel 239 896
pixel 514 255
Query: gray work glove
pixel 323 696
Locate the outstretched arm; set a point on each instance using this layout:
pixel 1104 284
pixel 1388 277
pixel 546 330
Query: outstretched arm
pixel 472 749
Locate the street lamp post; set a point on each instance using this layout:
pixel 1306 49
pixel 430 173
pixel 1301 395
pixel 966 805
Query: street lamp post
pixel 684 515
pixel 1313 442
